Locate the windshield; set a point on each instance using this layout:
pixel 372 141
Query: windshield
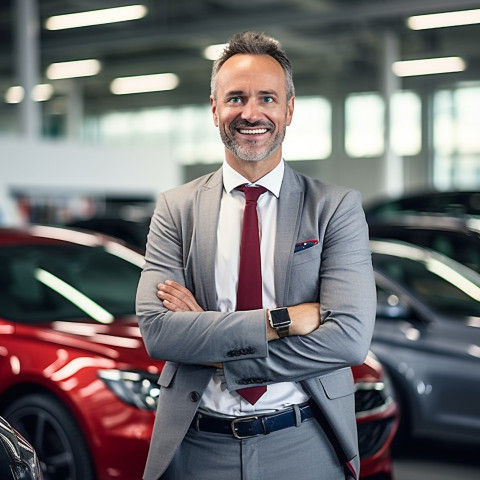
pixel 53 282
pixel 438 285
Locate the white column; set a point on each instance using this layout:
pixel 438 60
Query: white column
pixel 393 164
pixel 74 113
pixel 27 63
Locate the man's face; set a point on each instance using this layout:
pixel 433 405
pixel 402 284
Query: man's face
pixel 251 108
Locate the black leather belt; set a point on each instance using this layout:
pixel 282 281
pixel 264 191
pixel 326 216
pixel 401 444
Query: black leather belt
pixel 251 426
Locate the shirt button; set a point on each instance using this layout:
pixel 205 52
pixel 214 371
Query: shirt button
pixel 194 396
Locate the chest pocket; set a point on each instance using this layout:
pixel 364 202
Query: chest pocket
pixel 310 255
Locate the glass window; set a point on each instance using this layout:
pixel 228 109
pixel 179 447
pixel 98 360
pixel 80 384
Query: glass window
pixel 364 125
pixel 444 127
pixel 47 283
pixel 455 138
pixel 467 102
pixel 188 132
pixel 197 140
pixel 405 123
pixel 145 127
pixel 309 137
pixel 429 283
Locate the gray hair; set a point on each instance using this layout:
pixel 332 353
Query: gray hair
pixel 254 43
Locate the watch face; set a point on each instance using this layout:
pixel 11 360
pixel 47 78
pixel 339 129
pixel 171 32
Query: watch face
pixel 280 317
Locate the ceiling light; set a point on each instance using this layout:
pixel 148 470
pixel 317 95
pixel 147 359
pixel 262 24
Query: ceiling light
pixel 212 52
pixel 40 93
pixel 428 66
pixel 77 68
pixel 14 94
pixel 144 83
pixel 96 17
pixel 447 19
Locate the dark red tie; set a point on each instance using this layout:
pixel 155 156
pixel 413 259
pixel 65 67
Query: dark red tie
pixel 249 290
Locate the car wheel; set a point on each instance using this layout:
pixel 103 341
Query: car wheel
pixel 48 425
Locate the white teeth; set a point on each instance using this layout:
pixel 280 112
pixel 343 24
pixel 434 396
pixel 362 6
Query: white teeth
pixel 254 132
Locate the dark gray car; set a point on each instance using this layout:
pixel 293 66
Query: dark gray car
pixel 456 237
pixel 427 335
pixel 428 201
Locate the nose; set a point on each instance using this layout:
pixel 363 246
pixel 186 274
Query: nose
pixel 251 111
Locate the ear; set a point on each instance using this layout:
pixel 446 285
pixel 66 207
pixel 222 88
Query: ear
pixel 290 107
pixel 213 105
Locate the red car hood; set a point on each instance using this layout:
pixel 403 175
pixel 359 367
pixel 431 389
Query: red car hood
pixel 120 341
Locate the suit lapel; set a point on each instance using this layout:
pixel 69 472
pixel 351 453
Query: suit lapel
pixel 288 224
pixel 208 208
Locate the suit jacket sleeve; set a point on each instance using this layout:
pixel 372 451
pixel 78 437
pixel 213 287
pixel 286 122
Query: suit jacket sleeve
pixel 175 252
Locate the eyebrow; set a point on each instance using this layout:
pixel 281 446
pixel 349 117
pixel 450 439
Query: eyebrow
pixel 234 93
pixel 239 93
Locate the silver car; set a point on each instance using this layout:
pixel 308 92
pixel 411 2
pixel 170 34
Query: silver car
pixel 427 335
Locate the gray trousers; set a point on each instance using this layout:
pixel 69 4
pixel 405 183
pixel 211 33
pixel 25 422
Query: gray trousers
pixel 296 453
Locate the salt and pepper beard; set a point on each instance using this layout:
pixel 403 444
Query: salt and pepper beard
pixel 245 152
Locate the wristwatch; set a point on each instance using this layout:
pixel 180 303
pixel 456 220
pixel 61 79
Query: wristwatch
pixel 280 320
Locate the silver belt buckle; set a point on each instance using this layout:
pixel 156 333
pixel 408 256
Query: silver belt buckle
pixel 234 422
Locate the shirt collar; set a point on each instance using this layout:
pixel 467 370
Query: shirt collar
pixel 272 180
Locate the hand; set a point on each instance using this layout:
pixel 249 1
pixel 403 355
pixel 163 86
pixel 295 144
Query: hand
pixel 305 318
pixel 177 298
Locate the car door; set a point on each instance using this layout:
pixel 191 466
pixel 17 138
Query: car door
pixel 434 359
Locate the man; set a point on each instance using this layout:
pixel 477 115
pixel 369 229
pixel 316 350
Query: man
pixel 315 313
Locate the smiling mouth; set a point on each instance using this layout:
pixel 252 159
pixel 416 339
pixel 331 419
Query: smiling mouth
pixel 256 131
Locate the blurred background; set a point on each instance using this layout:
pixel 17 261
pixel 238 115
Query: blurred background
pixel 103 105
pixel 77 138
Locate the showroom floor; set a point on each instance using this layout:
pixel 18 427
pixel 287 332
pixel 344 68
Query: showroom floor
pixel 425 460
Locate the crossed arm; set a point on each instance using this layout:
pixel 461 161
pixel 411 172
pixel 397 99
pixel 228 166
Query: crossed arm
pixel 177 298
pixel 178 330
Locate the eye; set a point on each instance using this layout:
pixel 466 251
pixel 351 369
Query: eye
pixel 235 100
pixel 267 99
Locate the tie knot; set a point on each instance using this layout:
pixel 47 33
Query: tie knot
pixel 252 193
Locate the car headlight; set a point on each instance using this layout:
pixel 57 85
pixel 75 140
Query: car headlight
pixel 373 397
pixel 139 389
pixel 21 456
pixel 375 419
pixel 28 468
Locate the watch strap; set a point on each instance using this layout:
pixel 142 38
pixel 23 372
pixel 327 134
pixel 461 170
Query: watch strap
pixel 283 331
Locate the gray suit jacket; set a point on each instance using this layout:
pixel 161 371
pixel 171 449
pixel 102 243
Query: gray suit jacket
pixel 337 272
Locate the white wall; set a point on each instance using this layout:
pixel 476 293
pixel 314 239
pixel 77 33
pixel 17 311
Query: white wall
pixel 51 167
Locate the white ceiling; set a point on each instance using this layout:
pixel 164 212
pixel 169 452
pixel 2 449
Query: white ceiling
pixel 333 44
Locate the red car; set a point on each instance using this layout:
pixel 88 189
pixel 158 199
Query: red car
pixel 75 378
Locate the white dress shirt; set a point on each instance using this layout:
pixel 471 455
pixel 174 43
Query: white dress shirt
pixel 217 399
